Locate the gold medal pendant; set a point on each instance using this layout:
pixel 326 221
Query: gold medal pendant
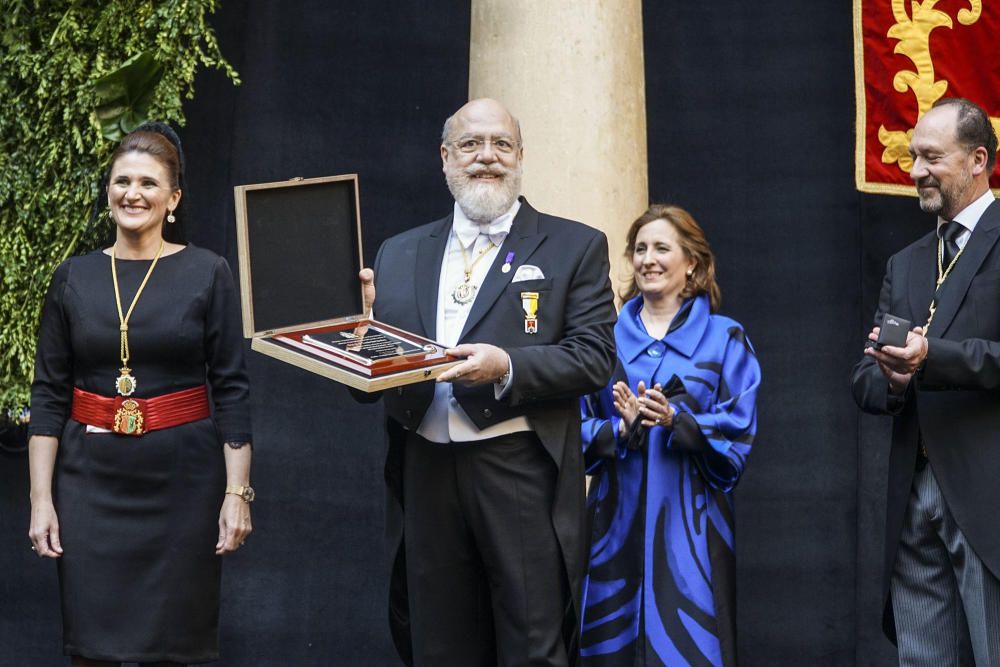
pixel 125 383
pixel 464 294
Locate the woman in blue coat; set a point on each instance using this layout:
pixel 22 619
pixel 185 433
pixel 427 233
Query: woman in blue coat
pixel 666 442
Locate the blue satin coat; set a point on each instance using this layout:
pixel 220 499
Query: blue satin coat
pixel 660 588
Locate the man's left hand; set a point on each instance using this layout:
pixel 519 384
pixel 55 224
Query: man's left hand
pixel 483 363
pixel 901 360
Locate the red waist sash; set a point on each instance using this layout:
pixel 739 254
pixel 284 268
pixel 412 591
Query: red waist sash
pixel 135 416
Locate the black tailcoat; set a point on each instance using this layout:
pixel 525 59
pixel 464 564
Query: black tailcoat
pixel 953 402
pixel 572 354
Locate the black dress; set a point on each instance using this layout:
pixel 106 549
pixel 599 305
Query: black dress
pixel 138 517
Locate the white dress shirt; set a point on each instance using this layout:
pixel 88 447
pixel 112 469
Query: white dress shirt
pixel 445 421
pixel 968 217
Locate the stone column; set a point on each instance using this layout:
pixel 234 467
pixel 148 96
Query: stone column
pixel 572 72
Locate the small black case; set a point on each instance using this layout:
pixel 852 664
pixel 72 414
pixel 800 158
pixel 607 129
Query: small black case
pixel 893 331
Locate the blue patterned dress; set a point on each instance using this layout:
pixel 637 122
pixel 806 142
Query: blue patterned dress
pixel 660 589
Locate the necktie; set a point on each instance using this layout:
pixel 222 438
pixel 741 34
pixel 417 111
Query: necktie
pixel 950 232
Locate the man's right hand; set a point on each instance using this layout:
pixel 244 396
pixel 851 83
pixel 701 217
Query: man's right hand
pixel 367 277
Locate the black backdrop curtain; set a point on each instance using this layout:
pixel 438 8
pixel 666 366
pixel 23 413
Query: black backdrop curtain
pixel 750 117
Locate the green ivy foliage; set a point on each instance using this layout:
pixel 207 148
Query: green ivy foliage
pixel 52 149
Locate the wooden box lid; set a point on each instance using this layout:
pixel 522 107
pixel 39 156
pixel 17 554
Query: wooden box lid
pixel 299 244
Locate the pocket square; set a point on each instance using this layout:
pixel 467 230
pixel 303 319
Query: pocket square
pixel 527 272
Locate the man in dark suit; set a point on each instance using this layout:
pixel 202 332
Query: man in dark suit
pixel 484 472
pixel 942 387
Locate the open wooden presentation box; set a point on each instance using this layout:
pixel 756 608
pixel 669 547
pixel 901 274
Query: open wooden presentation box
pixel 300 254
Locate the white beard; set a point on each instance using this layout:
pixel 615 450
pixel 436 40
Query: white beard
pixel 946 198
pixel 484 200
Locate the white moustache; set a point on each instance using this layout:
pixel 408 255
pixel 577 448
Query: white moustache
pixel 480 170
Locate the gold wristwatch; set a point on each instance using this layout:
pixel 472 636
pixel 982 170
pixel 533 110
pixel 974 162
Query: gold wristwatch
pixel 244 492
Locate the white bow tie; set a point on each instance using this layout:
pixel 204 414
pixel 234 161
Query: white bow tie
pixel 468 231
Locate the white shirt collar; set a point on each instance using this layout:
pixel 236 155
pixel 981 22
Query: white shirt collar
pixel 467 231
pixel 969 216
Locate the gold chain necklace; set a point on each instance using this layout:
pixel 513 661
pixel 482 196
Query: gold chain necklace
pixel 125 384
pixel 942 274
pixel 465 292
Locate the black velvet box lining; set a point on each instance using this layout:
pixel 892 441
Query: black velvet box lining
pixel 304 253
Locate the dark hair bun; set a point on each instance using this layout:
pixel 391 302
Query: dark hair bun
pixel 168 132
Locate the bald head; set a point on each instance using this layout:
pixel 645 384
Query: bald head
pixel 482 110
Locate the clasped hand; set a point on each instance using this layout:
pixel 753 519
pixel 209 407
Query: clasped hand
pixel 651 405
pixel 898 364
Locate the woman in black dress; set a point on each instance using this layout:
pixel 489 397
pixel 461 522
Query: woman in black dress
pixel 140 427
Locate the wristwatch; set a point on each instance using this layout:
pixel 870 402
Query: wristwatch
pixel 244 492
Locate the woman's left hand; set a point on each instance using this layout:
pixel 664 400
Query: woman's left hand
pixel 654 408
pixel 234 524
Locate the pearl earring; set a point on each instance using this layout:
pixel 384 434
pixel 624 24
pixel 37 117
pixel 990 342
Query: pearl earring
pixel 171 218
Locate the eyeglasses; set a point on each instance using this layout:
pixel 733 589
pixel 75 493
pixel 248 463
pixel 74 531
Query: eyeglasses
pixel 470 145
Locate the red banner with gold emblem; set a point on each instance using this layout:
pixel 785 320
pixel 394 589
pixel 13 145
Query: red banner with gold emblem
pixel 907 55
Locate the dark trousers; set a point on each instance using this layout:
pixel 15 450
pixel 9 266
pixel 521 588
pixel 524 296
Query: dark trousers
pixel 485 574
pixel 945 601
